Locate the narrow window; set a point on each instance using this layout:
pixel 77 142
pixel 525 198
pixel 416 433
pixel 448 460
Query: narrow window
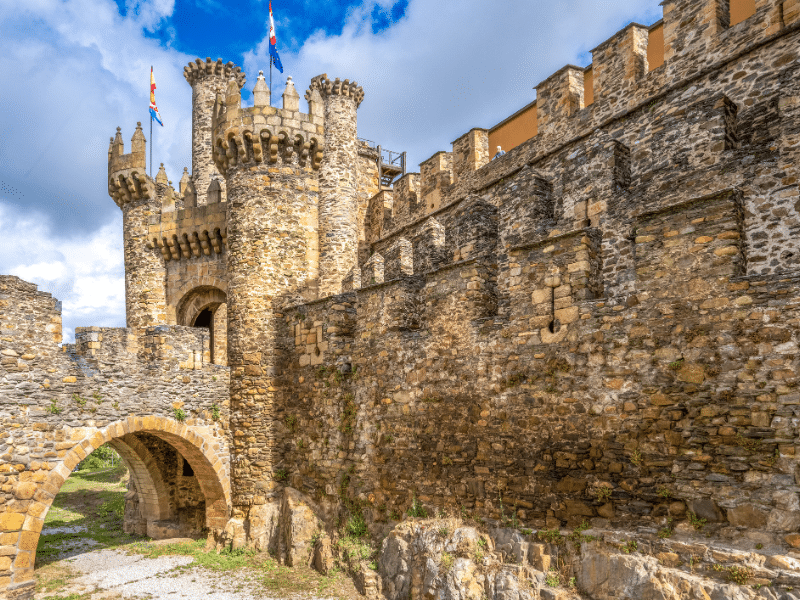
pixel 187 469
pixel 206 319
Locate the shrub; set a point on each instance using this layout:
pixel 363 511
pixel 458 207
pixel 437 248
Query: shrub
pixel 356 526
pixel 603 493
pixel 416 509
pixel 553 578
pixel 447 561
pixel 696 521
pixel 179 414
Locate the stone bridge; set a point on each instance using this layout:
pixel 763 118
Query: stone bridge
pixel 151 394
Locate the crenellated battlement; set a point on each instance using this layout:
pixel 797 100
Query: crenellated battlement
pixel 337 87
pixel 198 70
pixel 127 173
pixel 640 64
pixel 263 133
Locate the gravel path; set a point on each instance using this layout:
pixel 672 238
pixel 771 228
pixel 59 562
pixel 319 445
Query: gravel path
pixel 112 574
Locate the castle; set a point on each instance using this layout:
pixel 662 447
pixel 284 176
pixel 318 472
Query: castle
pixel 600 325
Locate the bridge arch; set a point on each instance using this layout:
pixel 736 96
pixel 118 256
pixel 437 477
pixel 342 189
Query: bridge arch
pixel 198 447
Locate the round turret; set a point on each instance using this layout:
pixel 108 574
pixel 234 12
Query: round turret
pixel 207 78
pixel 269 158
pixel 338 181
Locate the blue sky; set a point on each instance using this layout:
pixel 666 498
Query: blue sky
pixel 74 70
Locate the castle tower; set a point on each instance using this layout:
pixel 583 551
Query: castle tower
pixel 338 202
pixel 135 193
pixel 207 80
pixel 270 160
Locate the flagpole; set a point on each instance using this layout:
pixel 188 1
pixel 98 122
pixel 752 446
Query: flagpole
pixel 151 129
pixel 270 80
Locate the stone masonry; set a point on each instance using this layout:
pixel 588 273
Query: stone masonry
pixel 601 325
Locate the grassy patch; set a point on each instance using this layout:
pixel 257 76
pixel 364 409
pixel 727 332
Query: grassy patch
pixel 257 567
pixel 86 514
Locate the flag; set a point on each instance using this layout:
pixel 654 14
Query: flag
pixel 153 108
pixel 273 51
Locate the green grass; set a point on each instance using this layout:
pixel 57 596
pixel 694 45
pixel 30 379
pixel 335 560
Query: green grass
pixel 259 567
pixel 93 502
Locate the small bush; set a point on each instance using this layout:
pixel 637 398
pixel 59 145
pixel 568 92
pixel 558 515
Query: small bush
pixel 53 408
pixel 356 526
pixel 739 575
pixel 179 414
pixel 676 366
pixel 214 412
pixel 696 521
pixel 550 536
pixel 280 475
pixel 447 561
pixel 603 493
pixel 553 578
pixel 416 509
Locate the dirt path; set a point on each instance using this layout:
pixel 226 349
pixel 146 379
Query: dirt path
pixel 84 555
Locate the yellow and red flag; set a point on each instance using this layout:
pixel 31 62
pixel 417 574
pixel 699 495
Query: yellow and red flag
pixel 154 114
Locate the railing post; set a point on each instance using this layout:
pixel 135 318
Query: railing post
pixel 380 166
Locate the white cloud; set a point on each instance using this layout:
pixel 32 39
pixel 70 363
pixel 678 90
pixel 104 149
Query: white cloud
pixel 76 69
pixel 85 273
pixel 450 65
pixel 79 70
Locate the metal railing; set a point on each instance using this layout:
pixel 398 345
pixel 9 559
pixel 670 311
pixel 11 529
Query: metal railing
pixel 388 158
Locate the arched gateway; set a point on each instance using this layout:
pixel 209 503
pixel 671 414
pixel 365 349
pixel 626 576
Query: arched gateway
pixel 151 393
pixel 131 438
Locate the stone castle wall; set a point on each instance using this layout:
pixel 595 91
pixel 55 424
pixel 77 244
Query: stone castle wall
pixel 601 324
pixel 608 305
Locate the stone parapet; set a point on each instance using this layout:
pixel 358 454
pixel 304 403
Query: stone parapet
pixel 190 232
pixel 267 135
pixel 127 173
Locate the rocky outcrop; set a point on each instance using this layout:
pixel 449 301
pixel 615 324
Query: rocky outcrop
pixel 446 560
pixel 287 527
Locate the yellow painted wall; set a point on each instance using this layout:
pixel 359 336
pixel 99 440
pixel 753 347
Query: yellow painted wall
pixel 741 10
pixel 588 87
pixel 655 48
pixel 514 131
